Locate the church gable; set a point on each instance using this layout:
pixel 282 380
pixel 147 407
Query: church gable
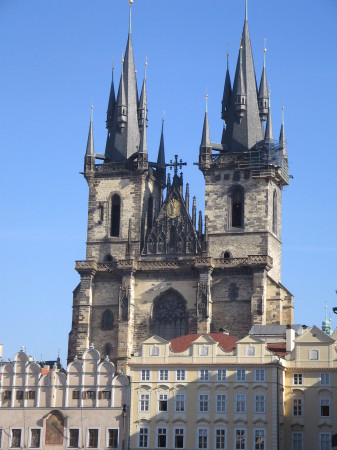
pixel 172 232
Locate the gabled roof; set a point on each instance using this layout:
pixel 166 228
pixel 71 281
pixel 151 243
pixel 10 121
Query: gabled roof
pixel 226 343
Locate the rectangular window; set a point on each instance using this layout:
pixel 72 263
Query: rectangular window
pixel 203 402
pixel 179 438
pixel 180 375
pixel 298 379
pixel 260 403
pixel 325 379
pixel 144 402
pixel 143 437
pixel 163 402
pixel 106 395
pixel 92 438
pixel 15 438
pixel 240 439
pixel 145 375
pixel 76 395
pixel 7 395
pixel 202 438
pixel 297 441
pixel 180 402
pixel 259 439
pixel 260 375
pixel 220 439
pixel 74 437
pixel 19 395
pixel 241 375
pixel 163 375
pixel 35 438
pixel 221 375
pixel 30 395
pixel 89 395
pixel 161 437
pixel 240 403
pixel 297 407
pixel 325 407
pixel 204 375
pixel 325 441
pixel 221 403
pixel 113 438
pixel 203 350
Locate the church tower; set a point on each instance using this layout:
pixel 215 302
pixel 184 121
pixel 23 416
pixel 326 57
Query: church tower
pixel 154 266
pixel 244 179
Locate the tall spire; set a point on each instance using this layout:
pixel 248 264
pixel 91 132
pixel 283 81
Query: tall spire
pixel 142 109
pixel 240 93
pixel 90 143
pixel 269 136
pixel 263 90
pixel 161 151
pixel 227 92
pixel 246 11
pixel 112 103
pixel 243 133
pixel 130 15
pixel 124 137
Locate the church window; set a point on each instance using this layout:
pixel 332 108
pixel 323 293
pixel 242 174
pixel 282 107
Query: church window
pixel 237 204
pixel 150 213
pixel 233 292
pixel 107 320
pixel 169 319
pixel 275 213
pixel 107 350
pixel 115 215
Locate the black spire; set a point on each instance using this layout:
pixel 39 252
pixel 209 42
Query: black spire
pixel 227 92
pixel 263 92
pixel 111 104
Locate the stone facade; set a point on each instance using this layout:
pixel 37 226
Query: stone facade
pixel 152 265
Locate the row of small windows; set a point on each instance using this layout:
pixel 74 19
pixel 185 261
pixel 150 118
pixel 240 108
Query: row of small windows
pixel 204 375
pixel 16 438
pixel 324 407
pixel 76 394
pixel 204 403
pixel 203 438
pixel 298 379
pixel 297 441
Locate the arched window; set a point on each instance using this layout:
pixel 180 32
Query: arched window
pixel 237 204
pixel 150 213
pixel 107 350
pixel 170 319
pixel 115 215
pixel 275 213
pixel 107 320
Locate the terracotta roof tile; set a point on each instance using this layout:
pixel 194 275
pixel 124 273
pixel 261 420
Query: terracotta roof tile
pixel 182 343
pixel 278 349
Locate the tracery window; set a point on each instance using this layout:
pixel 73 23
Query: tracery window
pixel 115 215
pixel 169 318
pixel 107 320
pixel 275 213
pixel 236 207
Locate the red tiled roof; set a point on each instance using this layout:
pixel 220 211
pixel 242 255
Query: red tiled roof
pixel 182 343
pixel 44 371
pixel 278 349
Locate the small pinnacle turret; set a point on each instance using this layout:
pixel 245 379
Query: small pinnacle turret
pixel 122 116
pixel 111 104
pixel 205 146
pixel 227 92
pixel 269 135
pixel 142 109
pixel 240 105
pixel 89 159
pixel 282 140
pixel 263 92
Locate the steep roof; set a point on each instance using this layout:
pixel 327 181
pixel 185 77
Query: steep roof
pixel 182 343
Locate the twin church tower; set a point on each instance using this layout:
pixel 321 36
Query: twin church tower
pixel 153 265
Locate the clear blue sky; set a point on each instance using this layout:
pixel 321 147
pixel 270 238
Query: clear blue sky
pixel 56 55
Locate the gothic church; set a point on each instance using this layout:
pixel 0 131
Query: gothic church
pixel 155 266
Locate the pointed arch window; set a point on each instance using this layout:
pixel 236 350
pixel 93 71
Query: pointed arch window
pixel 275 212
pixel 170 315
pixel 150 213
pixel 107 320
pixel 237 208
pixel 115 215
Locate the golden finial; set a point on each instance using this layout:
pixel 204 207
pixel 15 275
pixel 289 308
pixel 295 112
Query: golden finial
pixel 264 52
pixel 130 3
pixel 122 56
pixel 145 65
pixel 227 53
pixel 163 118
pixel 92 109
pixel 206 97
pixel 282 112
pixel 113 59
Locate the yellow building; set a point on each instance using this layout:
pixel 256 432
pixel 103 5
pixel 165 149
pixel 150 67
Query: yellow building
pixel 204 392
pixel 310 395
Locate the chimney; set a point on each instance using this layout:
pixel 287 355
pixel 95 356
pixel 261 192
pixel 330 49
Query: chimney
pixel 290 337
